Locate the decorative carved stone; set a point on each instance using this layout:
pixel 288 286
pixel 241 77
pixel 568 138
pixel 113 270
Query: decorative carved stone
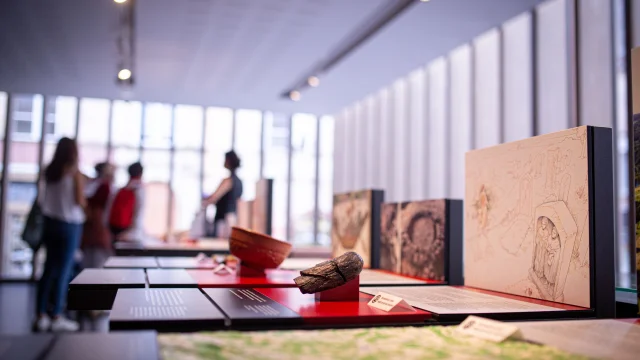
pixel 330 274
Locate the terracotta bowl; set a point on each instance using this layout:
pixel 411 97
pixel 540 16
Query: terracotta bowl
pixel 257 250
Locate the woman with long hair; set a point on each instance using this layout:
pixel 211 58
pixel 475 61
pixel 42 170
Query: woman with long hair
pixel 63 207
pixel 226 197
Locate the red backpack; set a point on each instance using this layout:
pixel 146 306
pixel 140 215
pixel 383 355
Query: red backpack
pixel 122 208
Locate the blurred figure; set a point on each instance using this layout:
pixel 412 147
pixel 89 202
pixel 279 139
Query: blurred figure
pixel 126 218
pixel 96 237
pixel 226 197
pixel 63 209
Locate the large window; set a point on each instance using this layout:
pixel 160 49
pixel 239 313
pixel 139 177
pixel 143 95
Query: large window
pixel 325 180
pixel 248 132
pixel 276 165
pixel 93 133
pixel 126 129
pixel 304 137
pixel 182 150
pixel 186 180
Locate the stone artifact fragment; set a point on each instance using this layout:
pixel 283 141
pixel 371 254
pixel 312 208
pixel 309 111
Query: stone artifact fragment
pixel 330 274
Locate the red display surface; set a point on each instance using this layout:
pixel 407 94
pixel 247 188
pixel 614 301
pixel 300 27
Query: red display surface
pixel 341 313
pixel 273 278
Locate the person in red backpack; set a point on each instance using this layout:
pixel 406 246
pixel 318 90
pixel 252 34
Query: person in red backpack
pixel 126 215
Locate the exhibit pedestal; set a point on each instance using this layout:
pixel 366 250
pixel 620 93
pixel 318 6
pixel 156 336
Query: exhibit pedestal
pixel 248 271
pixel 350 291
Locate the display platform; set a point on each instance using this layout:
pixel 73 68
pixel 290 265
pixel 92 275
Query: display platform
pixel 407 343
pixel 207 246
pixel 247 307
pixel 452 304
pixel 131 262
pixel 164 310
pixel 341 313
pixel 25 347
pixel 274 278
pixel 95 289
pixel 185 262
pixel 171 278
pixel 130 345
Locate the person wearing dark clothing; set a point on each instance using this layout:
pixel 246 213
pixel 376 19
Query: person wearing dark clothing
pixel 226 197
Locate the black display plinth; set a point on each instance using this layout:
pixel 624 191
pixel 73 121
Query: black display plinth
pixel 170 278
pixel 131 262
pixel 247 307
pixel 131 345
pixel 95 289
pixel 164 310
pixel 184 262
pixel 24 347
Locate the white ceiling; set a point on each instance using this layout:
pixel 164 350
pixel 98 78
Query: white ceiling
pixel 236 53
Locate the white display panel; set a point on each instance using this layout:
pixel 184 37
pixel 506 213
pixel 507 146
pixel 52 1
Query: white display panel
pixel 373 142
pixel 552 58
pixel 596 76
pixel 487 89
pixel 437 130
pixel 418 163
pixel 460 136
pixel 387 134
pixel 518 78
pixel 359 143
pixel 402 151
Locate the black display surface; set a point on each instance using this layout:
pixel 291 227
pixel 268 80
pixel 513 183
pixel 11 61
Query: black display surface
pixel 24 347
pixel 183 262
pixel 131 345
pixel 95 289
pixel 108 279
pixel 131 262
pixel 164 310
pixel 170 278
pixel 247 307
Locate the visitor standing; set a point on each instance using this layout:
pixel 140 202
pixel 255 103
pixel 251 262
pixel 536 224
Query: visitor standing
pixel 126 217
pixel 62 206
pixel 226 197
pixel 96 238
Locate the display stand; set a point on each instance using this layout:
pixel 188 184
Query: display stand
pixel 248 271
pixel 347 292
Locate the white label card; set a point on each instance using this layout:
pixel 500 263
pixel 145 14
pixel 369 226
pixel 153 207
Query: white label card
pixel 387 302
pixel 487 329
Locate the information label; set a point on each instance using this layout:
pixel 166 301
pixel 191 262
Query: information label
pixel 387 302
pixel 487 329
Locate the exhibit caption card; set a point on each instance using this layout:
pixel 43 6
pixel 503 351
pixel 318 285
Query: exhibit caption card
pixel 488 329
pixel 450 300
pixel 387 302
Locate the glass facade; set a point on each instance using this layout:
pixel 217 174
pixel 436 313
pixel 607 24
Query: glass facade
pixel 182 150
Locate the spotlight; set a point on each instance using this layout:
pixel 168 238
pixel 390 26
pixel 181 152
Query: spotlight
pixel 313 81
pixel 124 74
pixel 120 1
pixel 424 0
pixel 294 95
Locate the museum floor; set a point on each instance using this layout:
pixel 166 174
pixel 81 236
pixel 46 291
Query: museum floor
pixel 17 310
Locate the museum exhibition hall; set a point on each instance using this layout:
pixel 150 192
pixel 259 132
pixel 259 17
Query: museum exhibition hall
pixel 335 179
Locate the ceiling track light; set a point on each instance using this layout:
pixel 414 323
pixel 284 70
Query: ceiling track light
pixel 313 81
pixel 120 1
pixel 295 95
